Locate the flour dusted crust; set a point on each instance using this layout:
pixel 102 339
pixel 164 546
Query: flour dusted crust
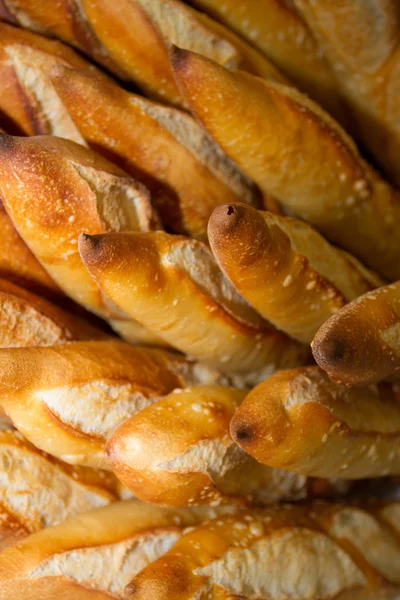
pixel 301 421
pixel 279 553
pixel 376 317
pixel 94 555
pixel 295 151
pixel 288 272
pixel 68 399
pixel 173 286
pixel 107 33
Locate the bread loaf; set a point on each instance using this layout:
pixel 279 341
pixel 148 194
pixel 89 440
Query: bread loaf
pixel 301 421
pixel 288 272
pixel 94 555
pixel 38 491
pixel 58 190
pixel 375 319
pixel 361 40
pixel 278 31
pixel 109 33
pixel 319 551
pixel 163 147
pixel 173 286
pixel 178 452
pixel 29 320
pixel 68 399
pixel 295 151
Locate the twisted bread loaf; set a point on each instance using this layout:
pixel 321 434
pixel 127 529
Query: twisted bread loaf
pixel 68 399
pixel 292 276
pixel 301 421
pixel 375 317
pixel 319 551
pixel 173 286
pixel 298 153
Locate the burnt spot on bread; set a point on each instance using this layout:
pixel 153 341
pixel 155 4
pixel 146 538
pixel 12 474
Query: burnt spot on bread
pixel 243 433
pixel 230 211
pixel 330 351
pixel 178 57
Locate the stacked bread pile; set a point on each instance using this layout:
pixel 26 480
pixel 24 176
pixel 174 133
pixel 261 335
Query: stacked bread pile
pixel 199 299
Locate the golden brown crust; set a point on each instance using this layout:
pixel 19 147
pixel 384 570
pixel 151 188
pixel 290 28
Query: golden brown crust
pixel 142 136
pixel 288 272
pixel 361 40
pixel 109 33
pixel 317 551
pixel 38 491
pixel 54 189
pixel 301 421
pixel 294 150
pixel 178 452
pixel 29 320
pixel 94 555
pixel 283 37
pixel 361 344
pixel 68 399
pixel 172 285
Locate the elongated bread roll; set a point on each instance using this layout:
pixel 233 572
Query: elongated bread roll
pixel 318 552
pixel 68 399
pixel 37 491
pixel 29 320
pixel 131 38
pixel 94 555
pixel 361 40
pixel 288 272
pixel 281 35
pixel 173 286
pixel 301 421
pixel 53 189
pixel 163 147
pixel 295 151
pixel 178 452
pixel 375 320
pixel 28 104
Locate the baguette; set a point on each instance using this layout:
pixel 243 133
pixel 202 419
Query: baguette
pixel 37 491
pixel 29 320
pixel 173 286
pixel 318 552
pixel 93 556
pixel 68 399
pixel 163 147
pixel 285 270
pixel 301 421
pixel 108 32
pixel 53 189
pixel 295 151
pixel 361 40
pixel 195 461
pixel 375 319
pixel 279 32
pixel 28 103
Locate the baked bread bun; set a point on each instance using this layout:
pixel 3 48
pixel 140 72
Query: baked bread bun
pixel 142 136
pixel 60 189
pixel 278 31
pixel 178 452
pixel 173 286
pixel 285 269
pixel 68 399
pixel 108 33
pixel 28 103
pixel 29 320
pixel 94 555
pixel 375 319
pixel 319 551
pixel 301 421
pixel 38 491
pixel 361 40
pixel 296 152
